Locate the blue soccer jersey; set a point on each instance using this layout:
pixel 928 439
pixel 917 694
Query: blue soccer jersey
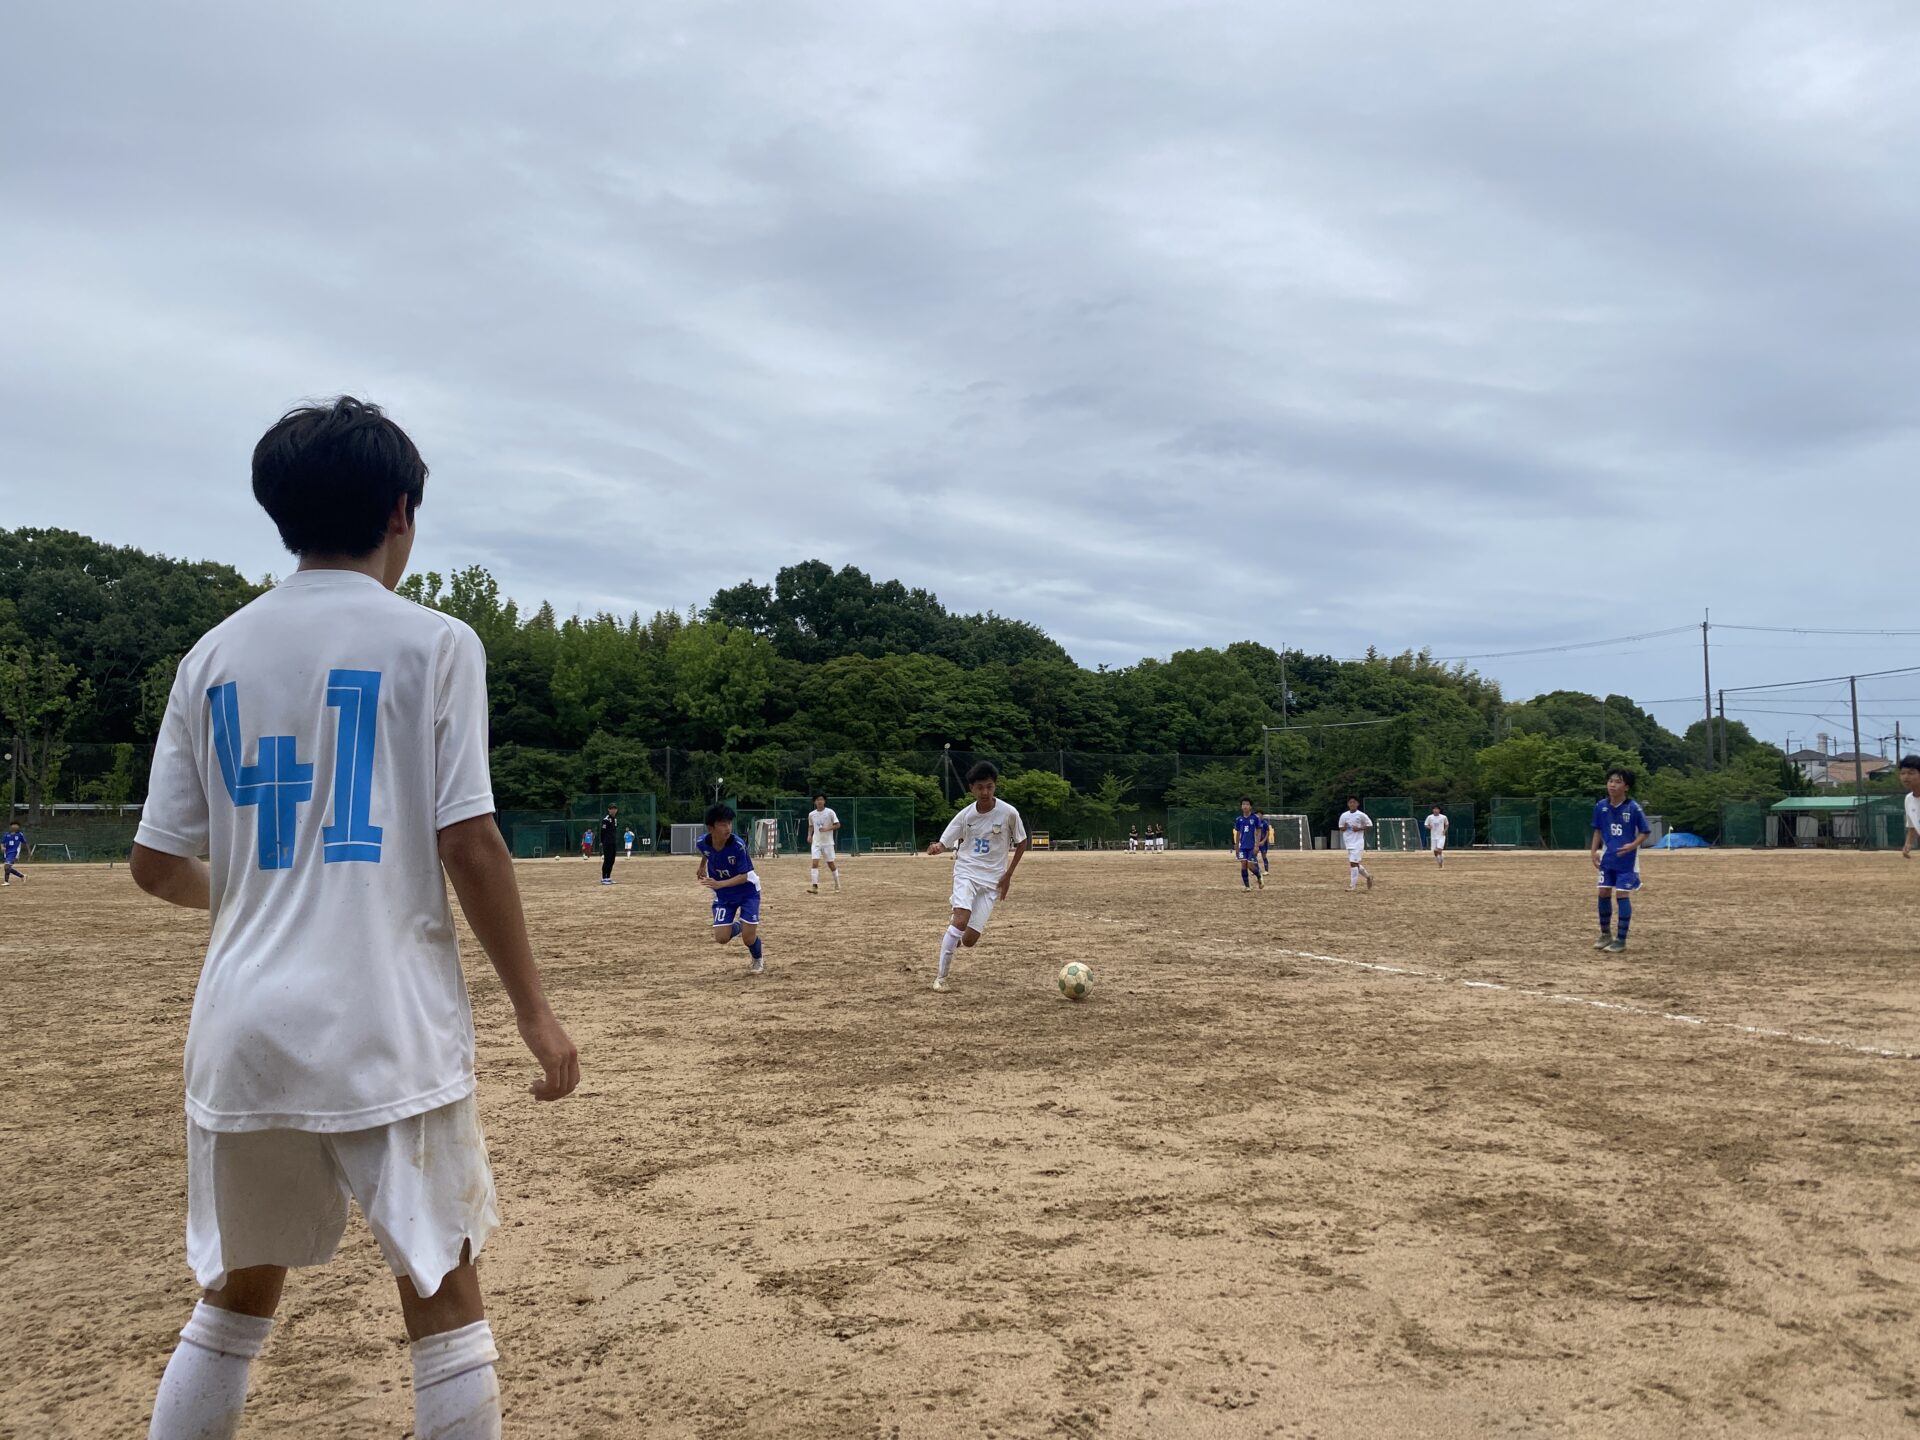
pixel 11 844
pixel 1246 832
pixel 1618 826
pixel 736 902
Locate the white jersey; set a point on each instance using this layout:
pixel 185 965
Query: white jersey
pixel 1354 825
pixel 820 826
pixel 314 745
pixel 1436 830
pixel 1913 811
pixel 983 844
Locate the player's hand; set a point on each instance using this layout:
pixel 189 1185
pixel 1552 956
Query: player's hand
pixel 551 1046
pixel 1006 884
pixel 936 848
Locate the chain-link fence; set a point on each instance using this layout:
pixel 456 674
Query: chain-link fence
pixel 1514 820
pixel 869 824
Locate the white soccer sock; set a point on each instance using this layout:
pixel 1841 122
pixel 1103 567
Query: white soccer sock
pixel 456 1394
pixel 816 875
pixel 205 1387
pixel 948 944
pixel 836 879
pixel 1353 877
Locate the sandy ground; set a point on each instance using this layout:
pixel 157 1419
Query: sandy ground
pixel 1241 1191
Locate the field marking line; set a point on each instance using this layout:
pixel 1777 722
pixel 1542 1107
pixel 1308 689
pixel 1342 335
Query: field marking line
pixel 1618 1006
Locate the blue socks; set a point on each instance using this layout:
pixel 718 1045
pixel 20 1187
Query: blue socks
pixel 1606 914
pixel 754 948
pixel 1626 917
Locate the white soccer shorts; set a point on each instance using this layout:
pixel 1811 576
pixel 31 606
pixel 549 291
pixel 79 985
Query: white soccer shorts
pixel 1357 854
pixel 279 1197
pixel 823 850
pixel 977 897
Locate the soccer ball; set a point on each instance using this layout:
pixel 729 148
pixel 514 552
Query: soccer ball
pixel 1076 981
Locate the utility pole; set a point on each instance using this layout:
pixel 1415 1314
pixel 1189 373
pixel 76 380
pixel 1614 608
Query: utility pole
pixel 1706 665
pixel 1859 765
pixel 1724 744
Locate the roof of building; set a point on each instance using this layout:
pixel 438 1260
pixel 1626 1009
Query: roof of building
pixel 1831 802
pixel 1809 755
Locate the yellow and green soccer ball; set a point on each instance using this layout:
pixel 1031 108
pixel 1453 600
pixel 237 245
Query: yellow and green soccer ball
pixel 1076 981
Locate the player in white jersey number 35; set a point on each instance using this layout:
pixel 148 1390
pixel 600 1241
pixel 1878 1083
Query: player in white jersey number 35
pixel 987 840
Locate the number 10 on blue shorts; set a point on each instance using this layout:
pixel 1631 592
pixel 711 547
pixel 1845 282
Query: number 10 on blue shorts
pixel 741 903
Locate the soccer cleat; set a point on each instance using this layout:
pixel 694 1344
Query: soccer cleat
pixel 940 982
pixel 813 889
pixel 1615 947
pixel 1604 942
pixel 759 964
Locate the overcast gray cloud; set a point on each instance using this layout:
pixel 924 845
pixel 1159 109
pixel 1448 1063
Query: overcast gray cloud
pixel 1474 326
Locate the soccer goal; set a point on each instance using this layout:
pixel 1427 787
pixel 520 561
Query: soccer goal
pixel 1290 832
pixel 766 839
pixel 1398 832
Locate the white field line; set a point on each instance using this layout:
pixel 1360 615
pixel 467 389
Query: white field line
pixel 1798 1037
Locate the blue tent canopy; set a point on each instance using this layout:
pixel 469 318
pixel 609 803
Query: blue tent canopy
pixel 1679 840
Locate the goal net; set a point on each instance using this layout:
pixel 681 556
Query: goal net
pixel 1398 832
pixel 766 839
pixel 1290 832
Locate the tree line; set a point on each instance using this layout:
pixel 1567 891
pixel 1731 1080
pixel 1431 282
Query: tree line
pixel 827 678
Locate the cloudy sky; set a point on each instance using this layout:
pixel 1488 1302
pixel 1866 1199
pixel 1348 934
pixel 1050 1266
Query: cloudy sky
pixel 1483 327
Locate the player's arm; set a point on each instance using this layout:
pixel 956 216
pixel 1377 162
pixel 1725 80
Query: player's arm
pixel 948 838
pixel 1013 864
pixel 743 878
pixel 1593 850
pixel 177 879
pixel 1642 832
pixel 476 861
pixel 700 874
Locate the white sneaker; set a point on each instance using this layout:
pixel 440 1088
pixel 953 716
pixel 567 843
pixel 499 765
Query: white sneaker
pixel 758 966
pixel 940 982
pixel 813 889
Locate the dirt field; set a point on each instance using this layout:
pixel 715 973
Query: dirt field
pixel 1243 1190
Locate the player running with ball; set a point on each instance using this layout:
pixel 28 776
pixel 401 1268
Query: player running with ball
pixel 987 838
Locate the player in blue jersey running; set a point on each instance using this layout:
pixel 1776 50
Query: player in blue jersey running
pixel 12 845
pixel 1619 830
pixel 1247 830
pixel 1266 839
pixel 726 868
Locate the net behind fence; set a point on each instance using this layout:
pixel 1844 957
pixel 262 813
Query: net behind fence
pixel 1290 832
pixel 1460 820
pixel 79 838
pixel 1200 827
pixel 1569 823
pixel 869 824
pixel 638 813
pixel 1388 807
pixel 1396 832
pixel 1515 820
pixel 1743 822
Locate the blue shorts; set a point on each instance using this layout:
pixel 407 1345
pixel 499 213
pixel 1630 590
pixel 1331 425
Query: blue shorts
pixel 741 903
pixel 1625 878
pixel 1247 857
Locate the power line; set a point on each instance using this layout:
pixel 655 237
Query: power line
pixel 1561 649
pixel 1823 680
pixel 1810 630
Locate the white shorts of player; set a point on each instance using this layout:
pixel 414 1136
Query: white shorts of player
pixel 1439 844
pixel 823 850
pixel 1356 852
pixel 979 897
pixel 279 1197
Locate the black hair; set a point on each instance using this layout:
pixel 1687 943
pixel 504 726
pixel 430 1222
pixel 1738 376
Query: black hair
pixel 1354 798
pixel 330 475
pixel 1246 799
pixel 1910 762
pixel 1627 777
pixel 982 770
pixel 819 794
pixel 717 813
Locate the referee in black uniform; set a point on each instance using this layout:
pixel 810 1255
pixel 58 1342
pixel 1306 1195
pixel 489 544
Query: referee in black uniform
pixel 609 842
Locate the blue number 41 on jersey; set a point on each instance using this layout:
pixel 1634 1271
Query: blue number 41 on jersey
pixel 278 783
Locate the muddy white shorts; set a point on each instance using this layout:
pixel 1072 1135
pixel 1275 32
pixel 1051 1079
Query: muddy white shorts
pixel 823 850
pixel 979 899
pixel 279 1197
